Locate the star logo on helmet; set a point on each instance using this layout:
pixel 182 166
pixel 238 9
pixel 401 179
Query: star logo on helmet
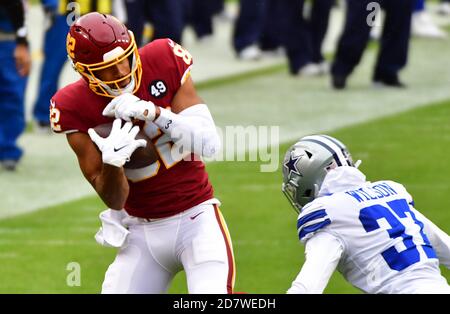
pixel 291 164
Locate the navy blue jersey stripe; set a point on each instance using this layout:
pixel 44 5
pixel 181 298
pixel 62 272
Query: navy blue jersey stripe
pixel 311 217
pixel 313 228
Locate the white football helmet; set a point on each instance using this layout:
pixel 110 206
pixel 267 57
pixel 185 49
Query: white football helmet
pixel 306 164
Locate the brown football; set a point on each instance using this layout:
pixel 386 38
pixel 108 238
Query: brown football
pixel 142 157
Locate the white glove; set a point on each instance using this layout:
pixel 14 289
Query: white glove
pixel 118 147
pixel 127 107
pixel 112 233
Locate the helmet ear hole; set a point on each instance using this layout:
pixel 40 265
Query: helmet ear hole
pixel 309 154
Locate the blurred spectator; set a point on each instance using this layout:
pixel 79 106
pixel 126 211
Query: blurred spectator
pixel 221 11
pixel 270 41
pixel 248 28
pixel 266 25
pixel 303 35
pixel 166 17
pixel 257 28
pixel 218 6
pixel 15 62
pixel 55 54
pixel 199 14
pixel 393 54
pixel 422 23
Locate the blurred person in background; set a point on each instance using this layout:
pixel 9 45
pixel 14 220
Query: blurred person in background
pixel 394 44
pixel 257 29
pixel 264 26
pixel 55 54
pixel 199 14
pixel 218 6
pixel 303 35
pixel 166 17
pixel 15 63
pixel 248 28
pixel 422 23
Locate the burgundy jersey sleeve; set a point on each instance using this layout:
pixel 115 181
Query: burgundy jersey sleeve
pixel 64 117
pixel 168 60
pixel 75 108
pixel 183 60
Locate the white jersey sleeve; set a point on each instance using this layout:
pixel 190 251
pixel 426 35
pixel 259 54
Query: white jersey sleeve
pixel 322 254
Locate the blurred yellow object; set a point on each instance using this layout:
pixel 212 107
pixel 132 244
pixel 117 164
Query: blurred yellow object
pixel 148 33
pixel 86 6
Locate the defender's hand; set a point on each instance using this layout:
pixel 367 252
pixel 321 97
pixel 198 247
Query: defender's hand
pixel 118 147
pixel 127 107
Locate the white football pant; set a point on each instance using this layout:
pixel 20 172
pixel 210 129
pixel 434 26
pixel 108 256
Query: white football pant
pixel 196 240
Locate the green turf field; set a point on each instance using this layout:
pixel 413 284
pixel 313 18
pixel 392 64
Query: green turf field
pixel 411 147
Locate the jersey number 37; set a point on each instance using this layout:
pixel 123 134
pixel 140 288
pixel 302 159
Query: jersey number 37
pixel 398 256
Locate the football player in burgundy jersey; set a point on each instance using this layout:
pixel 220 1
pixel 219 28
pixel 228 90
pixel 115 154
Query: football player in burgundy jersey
pixel 164 216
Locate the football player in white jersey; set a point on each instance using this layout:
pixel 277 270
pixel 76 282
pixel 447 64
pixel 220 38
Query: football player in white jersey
pixel 370 232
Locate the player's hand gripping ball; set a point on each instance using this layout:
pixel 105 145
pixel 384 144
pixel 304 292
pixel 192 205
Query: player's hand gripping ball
pixel 142 156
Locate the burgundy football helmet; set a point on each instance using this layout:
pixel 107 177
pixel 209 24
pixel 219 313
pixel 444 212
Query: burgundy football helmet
pixel 98 41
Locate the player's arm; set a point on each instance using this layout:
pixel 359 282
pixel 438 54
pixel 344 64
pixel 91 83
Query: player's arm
pixel 189 122
pixel 322 254
pixel 185 97
pixel 109 181
pixel 438 238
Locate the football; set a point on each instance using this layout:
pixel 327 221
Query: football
pixel 142 157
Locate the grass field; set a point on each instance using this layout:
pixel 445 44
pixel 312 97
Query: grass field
pixel 411 148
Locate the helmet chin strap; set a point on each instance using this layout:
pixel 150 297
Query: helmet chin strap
pixel 358 163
